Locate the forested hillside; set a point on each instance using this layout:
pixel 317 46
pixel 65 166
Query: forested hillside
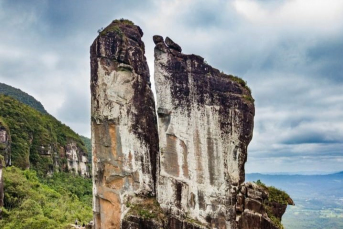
pixel 22 97
pixel 44 157
pixel 49 203
pixel 39 141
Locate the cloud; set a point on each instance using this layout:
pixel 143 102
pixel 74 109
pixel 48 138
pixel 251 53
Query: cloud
pixel 288 51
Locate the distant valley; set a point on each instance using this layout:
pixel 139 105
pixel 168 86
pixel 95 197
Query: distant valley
pixel 318 199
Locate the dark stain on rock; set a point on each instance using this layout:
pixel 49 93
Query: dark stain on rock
pixel 201 200
pixel 178 187
pixel 170 163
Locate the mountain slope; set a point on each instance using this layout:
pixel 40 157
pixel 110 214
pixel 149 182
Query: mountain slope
pixel 22 97
pixel 40 141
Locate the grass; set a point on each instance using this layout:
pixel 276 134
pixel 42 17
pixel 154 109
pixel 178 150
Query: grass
pixel 271 216
pixel 275 195
pixel 146 208
pixel 248 98
pixel 123 21
pixel 114 27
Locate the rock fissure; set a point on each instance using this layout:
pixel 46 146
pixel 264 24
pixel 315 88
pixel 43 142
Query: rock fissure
pixel 191 166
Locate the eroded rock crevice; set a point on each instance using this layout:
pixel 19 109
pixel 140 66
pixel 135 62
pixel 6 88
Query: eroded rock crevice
pixel 188 173
pixel 124 130
pixel 206 111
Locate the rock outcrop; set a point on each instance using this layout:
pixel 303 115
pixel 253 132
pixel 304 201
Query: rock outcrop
pixel 205 123
pixel 255 209
pixel 76 159
pixel 39 141
pixel 189 175
pixel 5 143
pixel 124 126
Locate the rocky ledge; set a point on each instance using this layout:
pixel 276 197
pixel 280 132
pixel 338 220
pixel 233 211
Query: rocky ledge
pixel 189 175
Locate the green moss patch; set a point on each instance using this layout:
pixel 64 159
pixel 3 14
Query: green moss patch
pixel 34 203
pixel 146 208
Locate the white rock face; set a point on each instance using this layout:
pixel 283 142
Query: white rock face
pixel 124 128
pixel 76 159
pixel 5 145
pixel 205 125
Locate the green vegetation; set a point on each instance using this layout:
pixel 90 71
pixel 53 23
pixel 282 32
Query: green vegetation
pixel 123 21
pixel 22 97
pixel 114 27
pixel 238 80
pixel 249 98
pixel 30 131
pixel 275 221
pixel 275 195
pixel 147 208
pixel 53 203
pixel 88 144
pixel 242 83
pixel 70 183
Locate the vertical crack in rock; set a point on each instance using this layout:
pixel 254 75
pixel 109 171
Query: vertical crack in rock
pixel 205 123
pixel 124 125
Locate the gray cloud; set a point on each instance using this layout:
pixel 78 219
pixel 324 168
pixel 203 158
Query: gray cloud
pixel 289 54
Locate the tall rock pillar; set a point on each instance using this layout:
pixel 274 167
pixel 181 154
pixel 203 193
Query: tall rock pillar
pixel 124 128
pixel 205 121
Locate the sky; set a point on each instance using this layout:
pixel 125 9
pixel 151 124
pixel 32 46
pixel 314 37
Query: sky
pixel 290 52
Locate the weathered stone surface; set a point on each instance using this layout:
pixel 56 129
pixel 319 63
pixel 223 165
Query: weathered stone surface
pixel 250 220
pixel 205 125
pixel 77 160
pixel 137 222
pixel 5 144
pixel 171 44
pixel 124 129
pixel 257 207
pixel 157 39
pixel 253 205
pixel 278 209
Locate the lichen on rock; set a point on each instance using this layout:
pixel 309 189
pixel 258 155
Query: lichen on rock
pixel 124 129
pixel 189 174
pixel 205 126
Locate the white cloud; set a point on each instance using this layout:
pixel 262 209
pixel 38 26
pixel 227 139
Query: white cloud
pixel 294 15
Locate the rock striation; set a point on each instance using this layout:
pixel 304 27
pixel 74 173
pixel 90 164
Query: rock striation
pixel 124 126
pixel 205 121
pixel 188 174
pixel 255 209
pixel 76 159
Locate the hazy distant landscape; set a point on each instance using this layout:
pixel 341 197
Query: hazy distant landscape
pixel 318 199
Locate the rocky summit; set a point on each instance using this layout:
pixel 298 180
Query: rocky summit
pixel 191 173
pixel 205 125
pixel 124 129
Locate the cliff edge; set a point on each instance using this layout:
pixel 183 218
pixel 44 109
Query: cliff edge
pixel 191 173
pixel 124 129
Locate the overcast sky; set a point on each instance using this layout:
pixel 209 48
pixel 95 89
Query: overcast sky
pixel 289 51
